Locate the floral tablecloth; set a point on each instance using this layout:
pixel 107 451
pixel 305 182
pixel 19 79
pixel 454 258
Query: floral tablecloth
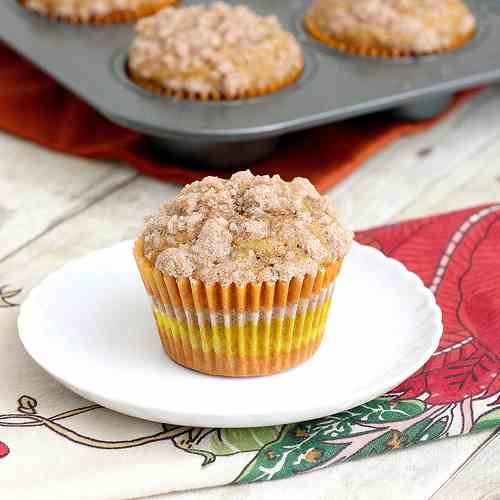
pixel 53 444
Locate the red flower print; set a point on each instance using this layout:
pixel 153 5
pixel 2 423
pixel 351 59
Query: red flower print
pixel 457 256
pixel 4 450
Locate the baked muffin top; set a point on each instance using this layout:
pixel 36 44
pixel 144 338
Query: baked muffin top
pixel 214 50
pixel 411 26
pixel 245 229
pixel 85 9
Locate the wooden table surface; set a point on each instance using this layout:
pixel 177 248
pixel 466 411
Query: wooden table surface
pixel 54 208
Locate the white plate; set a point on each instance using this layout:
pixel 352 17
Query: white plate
pixel 90 326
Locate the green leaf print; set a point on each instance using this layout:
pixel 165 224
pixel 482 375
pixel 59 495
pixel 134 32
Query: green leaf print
pixel 424 430
pixel 384 410
pixel 388 440
pixel 435 431
pixel 488 420
pixel 297 448
pixel 304 446
pixel 229 441
pixel 210 443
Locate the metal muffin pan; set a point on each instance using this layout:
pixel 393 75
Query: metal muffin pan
pixel 91 61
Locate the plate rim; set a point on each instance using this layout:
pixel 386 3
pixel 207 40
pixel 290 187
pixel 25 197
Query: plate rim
pixel 213 419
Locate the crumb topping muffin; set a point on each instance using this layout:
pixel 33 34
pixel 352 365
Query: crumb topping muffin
pixel 245 229
pixel 96 10
pixel 213 52
pixel 241 273
pixel 391 27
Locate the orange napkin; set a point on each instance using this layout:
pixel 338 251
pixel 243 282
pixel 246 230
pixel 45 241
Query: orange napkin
pixel 36 108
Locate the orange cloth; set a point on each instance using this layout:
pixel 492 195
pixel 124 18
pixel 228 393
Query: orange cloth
pixel 36 108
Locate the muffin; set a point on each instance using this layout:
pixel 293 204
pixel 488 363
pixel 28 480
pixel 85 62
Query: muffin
pixel 96 11
pixel 241 272
pixel 391 28
pixel 213 52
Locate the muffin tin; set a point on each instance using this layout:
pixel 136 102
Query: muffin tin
pixel 91 61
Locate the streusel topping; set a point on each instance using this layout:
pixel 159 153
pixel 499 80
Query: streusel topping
pixel 85 9
pixel 214 49
pixel 245 229
pixel 418 26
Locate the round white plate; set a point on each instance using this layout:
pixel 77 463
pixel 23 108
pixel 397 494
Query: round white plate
pixel 90 326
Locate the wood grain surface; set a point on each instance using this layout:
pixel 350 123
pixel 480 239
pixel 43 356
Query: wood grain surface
pixel 54 208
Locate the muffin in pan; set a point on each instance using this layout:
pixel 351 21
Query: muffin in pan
pixel 213 52
pixel 391 28
pixel 96 11
pixel 241 273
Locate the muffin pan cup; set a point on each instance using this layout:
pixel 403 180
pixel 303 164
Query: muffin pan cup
pixel 91 62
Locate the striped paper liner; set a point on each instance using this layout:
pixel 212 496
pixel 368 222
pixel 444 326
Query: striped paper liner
pixel 239 331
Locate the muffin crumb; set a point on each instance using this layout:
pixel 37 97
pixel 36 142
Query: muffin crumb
pixel 245 229
pixel 214 50
pixel 85 10
pixel 408 26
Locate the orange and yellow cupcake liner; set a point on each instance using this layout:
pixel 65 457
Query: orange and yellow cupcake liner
pixel 157 88
pixel 121 16
pixel 239 331
pixel 380 52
